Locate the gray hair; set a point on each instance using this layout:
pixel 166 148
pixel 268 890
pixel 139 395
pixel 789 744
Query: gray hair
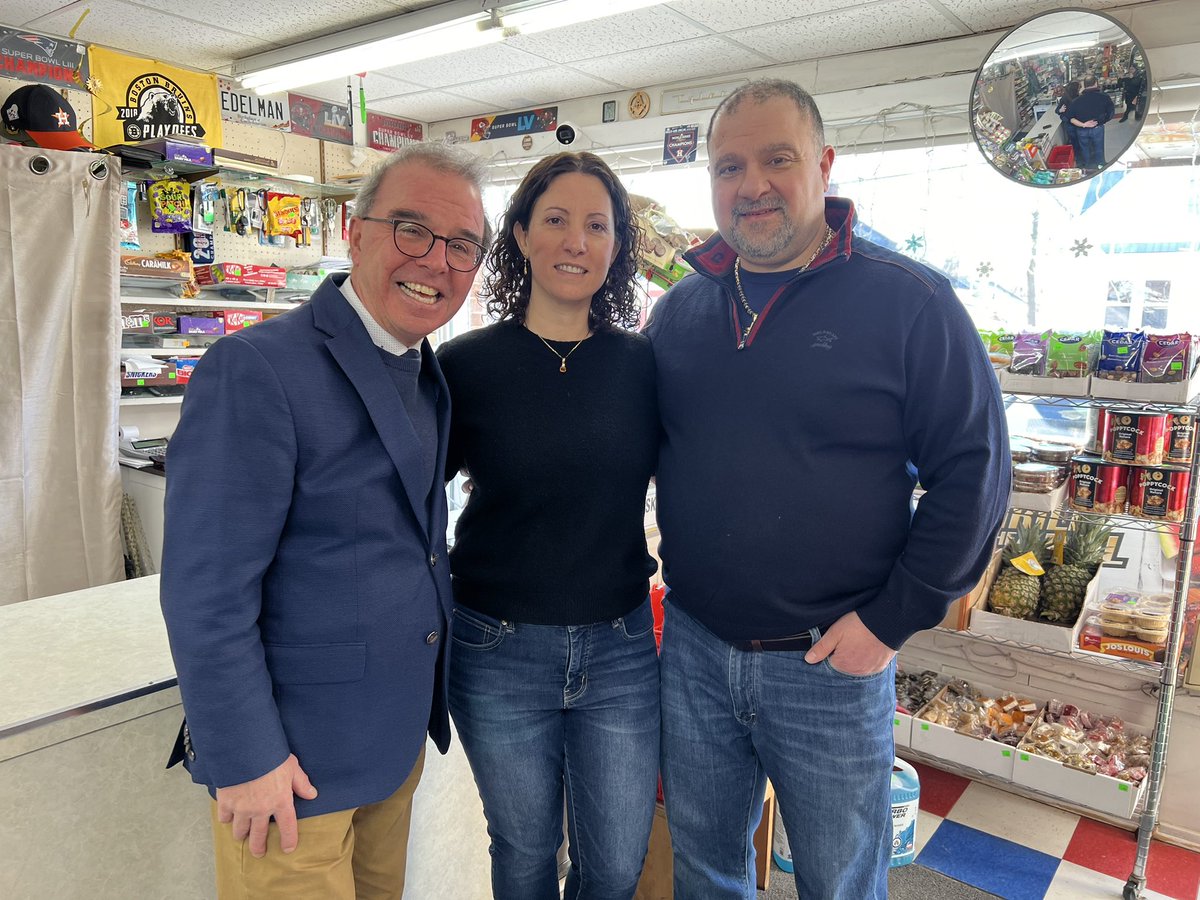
pixel 767 88
pixel 436 155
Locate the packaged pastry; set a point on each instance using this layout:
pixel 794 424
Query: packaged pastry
pixel 1166 359
pixel 1120 355
pixel 1071 354
pixel 1029 353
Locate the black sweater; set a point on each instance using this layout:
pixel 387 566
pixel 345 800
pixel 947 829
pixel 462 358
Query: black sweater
pixel 552 533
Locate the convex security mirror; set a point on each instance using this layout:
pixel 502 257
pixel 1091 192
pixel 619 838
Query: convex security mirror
pixel 1060 97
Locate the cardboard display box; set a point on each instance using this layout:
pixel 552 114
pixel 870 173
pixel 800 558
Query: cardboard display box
pixel 1175 392
pixel 1090 789
pixel 1024 631
pixel 945 743
pixel 902 728
pixel 1044 386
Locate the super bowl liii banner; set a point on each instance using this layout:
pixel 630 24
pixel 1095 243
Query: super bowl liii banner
pixel 27 56
pixel 135 99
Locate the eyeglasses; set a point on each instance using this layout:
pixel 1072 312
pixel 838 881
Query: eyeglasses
pixel 415 240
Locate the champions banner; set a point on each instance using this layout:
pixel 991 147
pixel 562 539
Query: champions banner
pixel 389 133
pixel 26 56
pixel 135 99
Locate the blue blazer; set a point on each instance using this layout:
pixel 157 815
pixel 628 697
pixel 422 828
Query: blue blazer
pixel 305 583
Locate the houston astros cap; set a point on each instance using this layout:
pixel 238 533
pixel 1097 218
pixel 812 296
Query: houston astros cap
pixel 38 114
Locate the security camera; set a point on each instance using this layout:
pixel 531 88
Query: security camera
pixel 566 133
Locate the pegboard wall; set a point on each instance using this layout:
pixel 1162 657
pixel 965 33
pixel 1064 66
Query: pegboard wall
pixel 296 155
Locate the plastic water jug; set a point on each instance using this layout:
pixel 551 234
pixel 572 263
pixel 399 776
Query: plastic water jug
pixel 781 850
pixel 906 791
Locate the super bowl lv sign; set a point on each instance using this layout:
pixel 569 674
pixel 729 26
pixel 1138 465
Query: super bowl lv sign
pixel 142 99
pixel 530 121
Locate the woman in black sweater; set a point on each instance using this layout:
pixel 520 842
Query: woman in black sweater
pixel 554 673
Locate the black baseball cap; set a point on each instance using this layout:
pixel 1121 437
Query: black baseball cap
pixel 38 114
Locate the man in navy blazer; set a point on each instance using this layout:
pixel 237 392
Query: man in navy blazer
pixel 305 584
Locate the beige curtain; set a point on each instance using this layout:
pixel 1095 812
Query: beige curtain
pixel 60 491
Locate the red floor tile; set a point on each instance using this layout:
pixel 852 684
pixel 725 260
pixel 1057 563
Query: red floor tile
pixel 1171 871
pixel 1102 848
pixel 939 790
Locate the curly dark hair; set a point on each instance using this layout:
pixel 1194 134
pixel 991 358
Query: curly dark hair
pixel 506 284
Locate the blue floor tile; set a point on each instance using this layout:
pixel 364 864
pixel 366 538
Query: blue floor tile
pixel 988 862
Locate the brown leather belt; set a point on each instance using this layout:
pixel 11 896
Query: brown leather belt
pixel 793 642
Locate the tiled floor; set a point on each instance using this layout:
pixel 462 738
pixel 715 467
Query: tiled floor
pixel 1023 850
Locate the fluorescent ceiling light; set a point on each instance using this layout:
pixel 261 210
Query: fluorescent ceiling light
pixel 445 28
pixel 1186 81
pixel 530 19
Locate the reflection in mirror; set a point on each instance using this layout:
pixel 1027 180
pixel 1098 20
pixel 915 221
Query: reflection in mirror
pixel 1060 98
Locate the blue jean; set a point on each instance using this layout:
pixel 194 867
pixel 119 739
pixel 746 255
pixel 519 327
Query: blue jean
pixel 1091 142
pixel 731 720
pixel 543 709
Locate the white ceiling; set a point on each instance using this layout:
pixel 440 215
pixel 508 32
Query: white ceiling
pixel 682 40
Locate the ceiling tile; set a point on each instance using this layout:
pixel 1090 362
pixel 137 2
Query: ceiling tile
pixel 847 31
pixel 468 65
pixel 431 106
pixel 22 12
pixel 731 15
pixel 279 21
pixel 153 34
pixel 533 89
pixel 377 87
pixel 629 31
pixel 985 15
pixel 682 61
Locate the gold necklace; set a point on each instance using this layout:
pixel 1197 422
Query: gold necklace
pixel 561 358
pixel 737 280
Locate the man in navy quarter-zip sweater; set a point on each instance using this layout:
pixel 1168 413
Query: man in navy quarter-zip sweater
pixel 805 377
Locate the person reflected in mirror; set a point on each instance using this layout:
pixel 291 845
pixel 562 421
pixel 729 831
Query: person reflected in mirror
pixel 554 685
pixel 1070 132
pixel 806 376
pixel 1089 113
pixel 1133 87
pixel 304 583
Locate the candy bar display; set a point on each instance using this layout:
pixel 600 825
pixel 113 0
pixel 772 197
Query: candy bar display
pixel 960 707
pixel 1088 741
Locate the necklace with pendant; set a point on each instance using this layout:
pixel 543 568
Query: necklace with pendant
pixel 737 280
pixel 562 358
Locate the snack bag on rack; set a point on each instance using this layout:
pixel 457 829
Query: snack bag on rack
pixel 1071 354
pixel 170 207
pixel 1167 358
pixel 1000 348
pixel 1120 355
pixel 1029 353
pixel 283 216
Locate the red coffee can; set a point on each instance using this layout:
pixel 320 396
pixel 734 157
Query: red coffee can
pixel 1097 486
pixel 1134 436
pixel 1159 492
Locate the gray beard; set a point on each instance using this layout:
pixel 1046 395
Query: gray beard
pixel 765 247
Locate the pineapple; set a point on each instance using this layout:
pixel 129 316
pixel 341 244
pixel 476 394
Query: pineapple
pixel 1063 587
pixel 1014 593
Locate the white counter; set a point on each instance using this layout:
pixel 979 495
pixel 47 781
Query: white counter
pixel 78 652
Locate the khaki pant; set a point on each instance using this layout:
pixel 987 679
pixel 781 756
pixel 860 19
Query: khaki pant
pixel 352 854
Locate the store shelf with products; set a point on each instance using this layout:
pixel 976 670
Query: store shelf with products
pixel 152 401
pixel 1159 680
pixel 197 303
pixel 251 179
